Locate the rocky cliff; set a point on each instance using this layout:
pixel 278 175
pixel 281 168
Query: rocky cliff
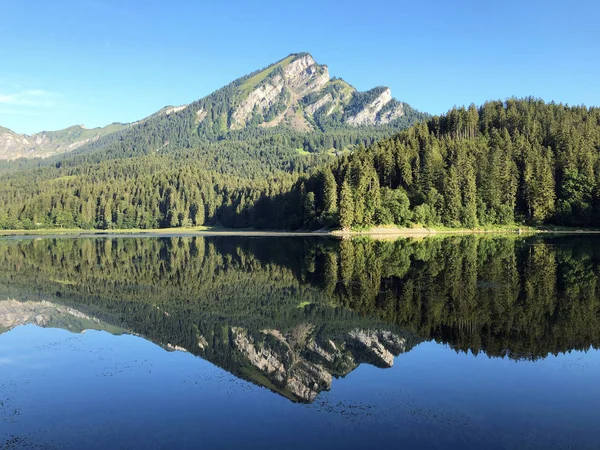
pixel 300 364
pixel 373 112
pixel 299 93
pixel 281 90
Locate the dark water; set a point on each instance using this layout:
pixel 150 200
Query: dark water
pixel 458 342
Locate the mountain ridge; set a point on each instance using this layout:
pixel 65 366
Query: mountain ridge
pixel 45 144
pixel 295 94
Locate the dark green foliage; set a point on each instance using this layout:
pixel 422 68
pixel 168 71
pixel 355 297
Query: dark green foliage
pixel 346 206
pixel 519 161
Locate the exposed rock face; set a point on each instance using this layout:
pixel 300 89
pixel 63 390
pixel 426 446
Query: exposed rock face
pixel 174 109
pixel 262 98
pixel 202 342
pixel 262 358
pixel 176 348
pixel 300 365
pixel 283 364
pixel 200 115
pixel 378 346
pixel 304 75
pixel 294 83
pixel 311 109
pixel 300 77
pixel 13 145
pixel 396 112
pixel 369 115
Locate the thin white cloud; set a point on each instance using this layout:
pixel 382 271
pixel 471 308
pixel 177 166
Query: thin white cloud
pixel 32 97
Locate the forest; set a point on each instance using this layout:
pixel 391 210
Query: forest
pixel 513 162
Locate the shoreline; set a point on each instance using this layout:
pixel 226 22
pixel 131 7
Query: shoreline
pixel 376 232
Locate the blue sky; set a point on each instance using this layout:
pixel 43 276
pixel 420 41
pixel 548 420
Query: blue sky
pixel 94 62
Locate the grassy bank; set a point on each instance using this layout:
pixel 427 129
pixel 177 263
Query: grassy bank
pixel 156 232
pixel 387 231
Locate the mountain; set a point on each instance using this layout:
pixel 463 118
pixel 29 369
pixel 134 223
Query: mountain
pixel 216 298
pixel 297 365
pixel 207 162
pixel 293 95
pixel 298 93
pixel 50 143
pixel 292 314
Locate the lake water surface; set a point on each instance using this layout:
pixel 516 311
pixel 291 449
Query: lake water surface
pixel 227 342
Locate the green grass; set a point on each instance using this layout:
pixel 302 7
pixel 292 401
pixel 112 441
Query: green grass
pixel 70 231
pixel 346 89
pixel 392 230
pixel 254 81
pixel 78 133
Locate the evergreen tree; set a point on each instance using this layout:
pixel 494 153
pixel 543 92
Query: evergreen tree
pixel 346 206
pixel 329 192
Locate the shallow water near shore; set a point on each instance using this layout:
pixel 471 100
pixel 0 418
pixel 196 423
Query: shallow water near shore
pixel 222 342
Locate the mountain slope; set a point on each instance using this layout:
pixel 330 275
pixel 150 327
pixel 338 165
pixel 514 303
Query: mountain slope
pixel 14 313
pixel 50 143
pixel 292 96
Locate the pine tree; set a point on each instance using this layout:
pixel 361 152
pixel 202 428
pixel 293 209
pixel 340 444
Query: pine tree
pixel 346 206
pixel 452 198
pixel 309 206
pixel 329 192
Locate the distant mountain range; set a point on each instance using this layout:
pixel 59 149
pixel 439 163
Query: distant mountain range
pixel 49 143
pixel 294 94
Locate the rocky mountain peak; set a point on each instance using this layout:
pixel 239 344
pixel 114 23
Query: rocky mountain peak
pixel 296 93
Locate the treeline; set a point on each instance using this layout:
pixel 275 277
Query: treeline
pixel 140 180
pixel 514 162
pixel 139 194
pixel 519 161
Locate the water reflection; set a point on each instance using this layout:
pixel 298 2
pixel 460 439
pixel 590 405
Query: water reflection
pixel 292 314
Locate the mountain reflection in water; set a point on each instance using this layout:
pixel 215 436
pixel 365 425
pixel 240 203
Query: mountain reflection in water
pixel 291 314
